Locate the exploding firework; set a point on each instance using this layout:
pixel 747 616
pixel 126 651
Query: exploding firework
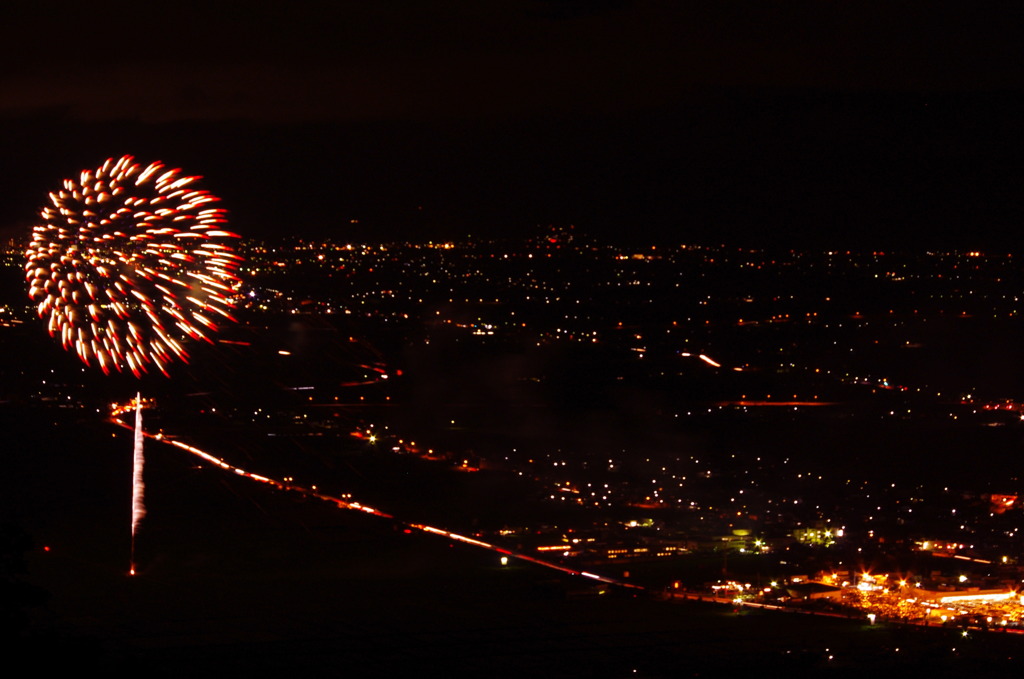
pixel 128 262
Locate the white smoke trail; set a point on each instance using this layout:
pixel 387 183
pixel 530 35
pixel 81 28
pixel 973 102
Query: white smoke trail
pixel 138 506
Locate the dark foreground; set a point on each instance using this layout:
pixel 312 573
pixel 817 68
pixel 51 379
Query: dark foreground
pixel 239 580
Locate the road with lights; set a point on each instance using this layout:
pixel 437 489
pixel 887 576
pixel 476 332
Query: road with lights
pixel 119 412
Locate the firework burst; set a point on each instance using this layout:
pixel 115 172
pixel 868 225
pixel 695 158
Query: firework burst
pixel 129 262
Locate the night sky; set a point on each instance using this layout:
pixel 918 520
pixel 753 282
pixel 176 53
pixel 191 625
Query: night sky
pixel 821 124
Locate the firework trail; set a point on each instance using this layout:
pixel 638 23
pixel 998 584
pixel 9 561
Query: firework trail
pixel 138 506
pixel 128 262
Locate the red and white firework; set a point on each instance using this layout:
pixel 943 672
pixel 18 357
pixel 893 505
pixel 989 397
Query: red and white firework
pixel 129 262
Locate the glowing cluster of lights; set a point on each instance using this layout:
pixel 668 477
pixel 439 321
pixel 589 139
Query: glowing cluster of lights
pixel 128 262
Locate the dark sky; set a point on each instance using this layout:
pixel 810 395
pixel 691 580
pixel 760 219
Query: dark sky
pixel 836 124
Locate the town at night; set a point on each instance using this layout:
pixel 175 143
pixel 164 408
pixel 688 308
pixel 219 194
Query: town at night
pixel 689 431
pixel 619 338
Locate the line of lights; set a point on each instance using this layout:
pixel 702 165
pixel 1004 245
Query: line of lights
pixel 118 411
